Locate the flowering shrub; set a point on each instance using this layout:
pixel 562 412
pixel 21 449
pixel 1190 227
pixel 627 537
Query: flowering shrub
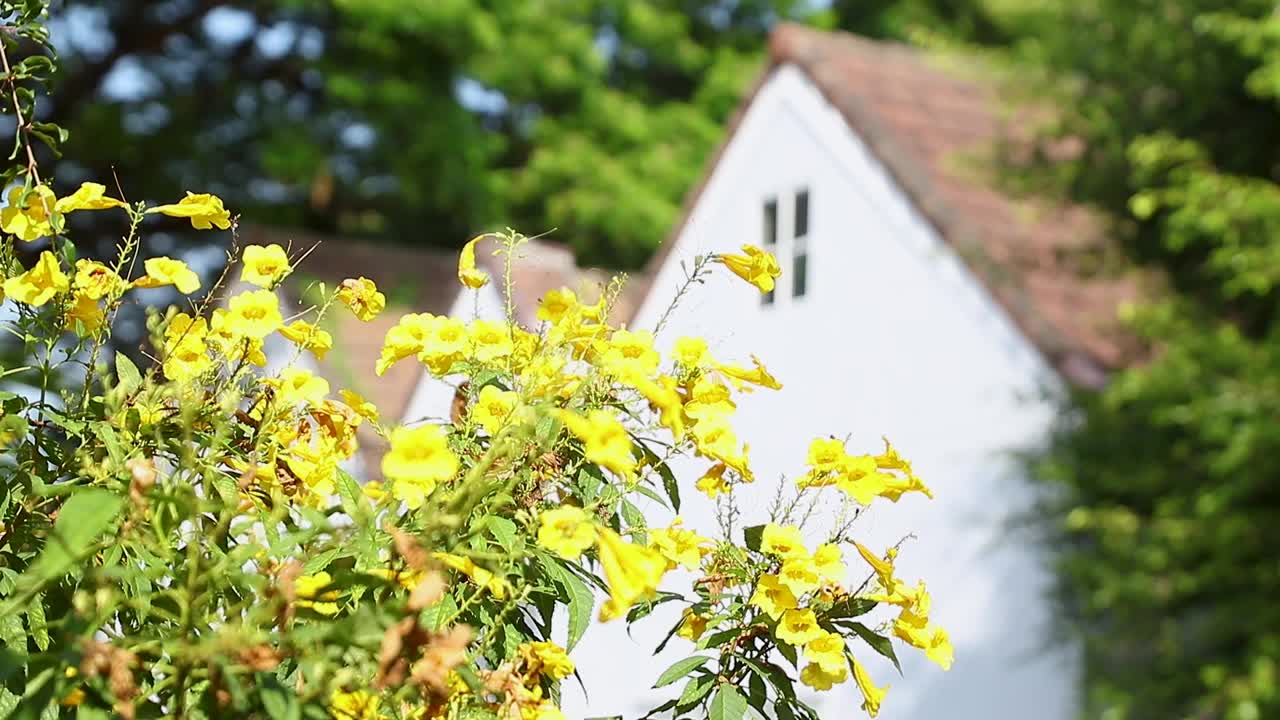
pixel 183 541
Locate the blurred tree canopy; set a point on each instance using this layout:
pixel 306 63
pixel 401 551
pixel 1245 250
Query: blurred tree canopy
pixel 1167 485
pixel 424 121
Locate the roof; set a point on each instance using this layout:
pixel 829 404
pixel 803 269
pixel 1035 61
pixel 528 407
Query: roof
pixel 1037 258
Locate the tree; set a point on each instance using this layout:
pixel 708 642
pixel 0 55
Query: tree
pixel 1165 479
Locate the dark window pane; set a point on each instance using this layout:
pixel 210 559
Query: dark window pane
pixel 799 276
pixel 771 222
pixel 802 214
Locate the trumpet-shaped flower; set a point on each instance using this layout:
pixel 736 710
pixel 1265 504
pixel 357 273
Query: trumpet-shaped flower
pixel 628 353
pixel 95 280
pixel 633 572
pixel 566 531
pixel 311 593
pixel 468 274
pixel 783 541
pixel 798 627
pixel 691 352
pixel 89 196
pixel 308 337
pixel 40 284
pixel 679 546
pixel 872 696
pixel 361 296
pixel 800 575
pixel 86 311
pixel 773 597
pixel 712 483
pixel 819 678
pixel 756 266
pixel 355 705
pixel 829 562
pixel 254 314
pixel 494 408
pixel 756 375
pixel 28 219
pixel 605 440
pixel 827 650
pixel 205 211
pixel 296 385
pixel 490 341
pixel 264 266
pixel 362 407
pixel 497 586
pixel 692 625
pixel 162 271
pixel 546 658
pixel 556 305
pixel 419 459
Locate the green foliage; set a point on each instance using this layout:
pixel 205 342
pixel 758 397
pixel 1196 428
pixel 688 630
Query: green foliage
pixel 1164 481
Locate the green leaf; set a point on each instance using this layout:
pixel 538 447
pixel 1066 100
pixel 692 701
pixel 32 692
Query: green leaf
pixel 128 377
pixel 581 602
pixel 504 531
pixel 850 607
pixel 83 517
pixel 36 623
pixel 752 536
pixel 350 495
pixel 278 701
pixel 680 669
pixel 728 704
pixel 697 688
pixel 879 643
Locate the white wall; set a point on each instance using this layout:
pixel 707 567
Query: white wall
pixel 894 338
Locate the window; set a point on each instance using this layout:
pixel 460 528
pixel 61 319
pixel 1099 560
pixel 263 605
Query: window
pixel 800 245
pixel 770 240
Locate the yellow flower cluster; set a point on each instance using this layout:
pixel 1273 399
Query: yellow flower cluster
pixel 862 477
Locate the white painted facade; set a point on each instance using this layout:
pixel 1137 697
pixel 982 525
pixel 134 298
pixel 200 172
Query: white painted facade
pixel 893 337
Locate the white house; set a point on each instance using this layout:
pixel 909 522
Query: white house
pixel 920 302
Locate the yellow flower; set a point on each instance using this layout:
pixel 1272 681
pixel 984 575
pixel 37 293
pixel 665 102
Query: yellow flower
pixel 296 385
pixel 203 210
pixel 940 650
pixel 264 266
pixel 829 562
pixel 663 398
pixel 566 531
pixel 633 573
pixel 692 625
pixel 783 541
pixel 308 337
pixel 163 271
pixel 816 677
pixel 373 490
pixel 883 567
pixel 419 459
pixel 494 407
pixel 233 346
pixel 691 352
pixel 772 597
pixel 712 482
pixel 826 454
pixel 715 439
pixel 709 399
pixel 254 314
pixel 406 579
pixel 89 196
pixel 363 408
pixel 361 296
pixel 799 574
pixel 40 284
pixel 86 311
pixel 827 650
pixel 490 341
pixel 605 440
pixel 406 338
pixel 188 357
pixel 444 346
pixel 496 586
pixel 546 658
pixel 755 376
pixel 309 589
pixel 872 696
pixel 544 710
pixel 28 220
pixel 467 273
pixel 357 705
pixel 95 280
pixel 798 627
pixel 627 353
pixel 557 304
pixel 679 546
pixel 756 266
